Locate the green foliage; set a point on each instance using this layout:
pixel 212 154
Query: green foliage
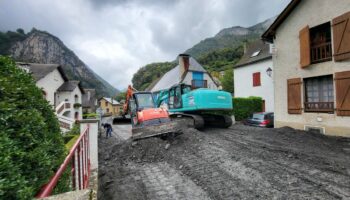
pixel 31 145
pixel 121 96
pixel 90 116
pixel 76 105
pixel 243 107
pixel 227 81
pixel 75 130
pixel 220 60
pixel 149 73
pixel 9 38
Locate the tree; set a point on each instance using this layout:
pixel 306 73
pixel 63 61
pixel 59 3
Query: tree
pixel 227 81
pixel 121 96
pixel 31 145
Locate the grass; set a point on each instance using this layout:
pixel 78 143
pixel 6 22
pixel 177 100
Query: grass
pixel 71 142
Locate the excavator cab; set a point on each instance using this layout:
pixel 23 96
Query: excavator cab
pixel 146 119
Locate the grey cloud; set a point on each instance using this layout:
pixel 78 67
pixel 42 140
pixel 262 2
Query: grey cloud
pixel 115 38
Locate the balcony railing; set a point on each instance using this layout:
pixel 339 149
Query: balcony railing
pixel 79 158
pixel 319 107
pixel 321 52
pixel 199 84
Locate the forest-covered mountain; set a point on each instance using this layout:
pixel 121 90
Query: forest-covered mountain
pixel 216 54
pixel 42 47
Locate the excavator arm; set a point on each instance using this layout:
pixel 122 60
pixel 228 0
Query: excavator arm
pixel 129 94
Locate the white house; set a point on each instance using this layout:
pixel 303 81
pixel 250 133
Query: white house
pixel 188 71
pixel 64 95
pixel 312 66
pixel 253 74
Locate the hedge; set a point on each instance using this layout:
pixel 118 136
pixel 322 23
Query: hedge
pixel 243 107
pixel 31 145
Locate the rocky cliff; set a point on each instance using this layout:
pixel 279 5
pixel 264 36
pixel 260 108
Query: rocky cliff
pixel 229 38
pixel 42 47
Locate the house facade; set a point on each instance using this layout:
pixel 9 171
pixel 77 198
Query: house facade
pixel 89 101
pixel 312 66
pixel 253 74
pixel 62 94
pixel 71 91
pixel 188 71
pixel 110 107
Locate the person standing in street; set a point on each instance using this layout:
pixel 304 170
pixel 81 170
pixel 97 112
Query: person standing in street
pixel 108 129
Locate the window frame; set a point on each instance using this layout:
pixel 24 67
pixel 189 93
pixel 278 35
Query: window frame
pixel 256 79
pixel 329 106
pixel 317 49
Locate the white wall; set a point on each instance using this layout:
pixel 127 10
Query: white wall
pixel 93 139
pixel 62 96
pixel 211 84
pixel 286 64
pixel 50 84
pixel 243 83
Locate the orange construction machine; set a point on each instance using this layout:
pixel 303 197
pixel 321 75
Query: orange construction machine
pixel 146 119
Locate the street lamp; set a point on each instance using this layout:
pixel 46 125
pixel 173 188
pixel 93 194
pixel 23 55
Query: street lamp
pixel 269 72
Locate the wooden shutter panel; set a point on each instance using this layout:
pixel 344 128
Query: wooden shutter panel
pixel 341 37
pixel 294 96
pixel 304 38
pixel 342 92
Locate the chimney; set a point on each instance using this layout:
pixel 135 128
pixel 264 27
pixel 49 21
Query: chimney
pixel 244 47
pixel 184 63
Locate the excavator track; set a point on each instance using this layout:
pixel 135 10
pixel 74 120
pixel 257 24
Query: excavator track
pixel 220 121
pixel 191 120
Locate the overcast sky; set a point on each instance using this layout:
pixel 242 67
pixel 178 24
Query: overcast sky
pixel 117 37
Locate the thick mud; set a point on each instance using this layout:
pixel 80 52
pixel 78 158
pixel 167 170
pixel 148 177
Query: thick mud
pixel 236 163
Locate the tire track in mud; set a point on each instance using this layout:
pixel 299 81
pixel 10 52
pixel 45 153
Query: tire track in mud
pixel 322 187
pixel 236 163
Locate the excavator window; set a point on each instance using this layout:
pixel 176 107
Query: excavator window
pixel 186 89
pixel 144 101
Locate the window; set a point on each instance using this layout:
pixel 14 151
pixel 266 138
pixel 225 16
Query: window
pixel 76 98
pixel 319 94
pixel 106 103
pixel 256 79
pixel 44 94
pixel 321 43
pixel 107 110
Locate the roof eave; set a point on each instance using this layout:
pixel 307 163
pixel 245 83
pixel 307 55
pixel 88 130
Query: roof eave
pixel 269 34
pixel 253 62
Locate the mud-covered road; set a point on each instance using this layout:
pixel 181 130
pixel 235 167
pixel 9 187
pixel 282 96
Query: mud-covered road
pixel 236 163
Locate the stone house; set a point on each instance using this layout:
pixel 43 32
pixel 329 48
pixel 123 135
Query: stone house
pixel 312 66
pixel 62 94
pixel 188 71
pixel 89 101
pixel 253 74
pixel 110 107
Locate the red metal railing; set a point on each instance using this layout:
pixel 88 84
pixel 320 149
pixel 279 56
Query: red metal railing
pixel 79 157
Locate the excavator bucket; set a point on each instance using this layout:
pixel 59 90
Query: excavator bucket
pixel 162 129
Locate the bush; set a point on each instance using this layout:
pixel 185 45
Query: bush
pixel 90 116
pixel 31 145
pixel 243 107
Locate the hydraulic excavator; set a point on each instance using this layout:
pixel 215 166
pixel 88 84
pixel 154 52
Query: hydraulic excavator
pixel 196 107
pixel 146 119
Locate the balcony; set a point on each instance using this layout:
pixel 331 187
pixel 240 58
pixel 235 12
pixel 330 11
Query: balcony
pixel 327 107
pixel 321 52
pixel 199 84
